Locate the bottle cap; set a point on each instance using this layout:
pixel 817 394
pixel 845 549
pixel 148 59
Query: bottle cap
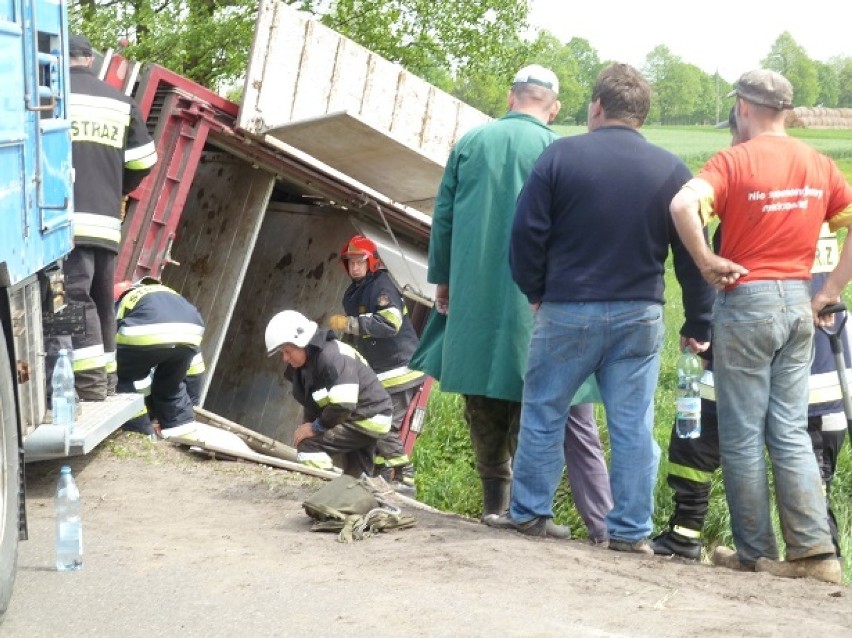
pixel 63 352
pixel 65 469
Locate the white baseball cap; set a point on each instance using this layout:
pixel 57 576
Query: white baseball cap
pixel 537 74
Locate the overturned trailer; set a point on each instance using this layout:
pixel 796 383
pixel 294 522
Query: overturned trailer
pixel 247 210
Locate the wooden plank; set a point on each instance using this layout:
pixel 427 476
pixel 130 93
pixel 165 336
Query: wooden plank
pixel 220 441
pixel 256 441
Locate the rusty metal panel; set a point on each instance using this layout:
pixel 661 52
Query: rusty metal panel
pixel 218 229
pixel 294 265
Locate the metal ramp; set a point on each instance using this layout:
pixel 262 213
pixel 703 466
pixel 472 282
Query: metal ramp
pixel 97 422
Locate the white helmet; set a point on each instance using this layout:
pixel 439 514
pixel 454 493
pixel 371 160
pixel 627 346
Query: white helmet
pixel 286 327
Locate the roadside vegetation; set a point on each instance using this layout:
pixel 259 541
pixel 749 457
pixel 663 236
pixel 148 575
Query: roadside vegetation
pixel 447 476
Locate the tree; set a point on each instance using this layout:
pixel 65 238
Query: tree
pixel 676 85
pixel 829 84
pixel 548 51
pixel 208 40
pixel 423 35
pixel 843 66
pixel 790 60
pixel 205 40
pixel 589 65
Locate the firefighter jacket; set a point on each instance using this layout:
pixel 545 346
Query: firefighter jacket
pixel 154 315
pixel 111 153
pixel 384 334
pixel 337 386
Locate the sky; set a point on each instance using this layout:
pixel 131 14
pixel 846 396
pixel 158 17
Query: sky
pixel 729 35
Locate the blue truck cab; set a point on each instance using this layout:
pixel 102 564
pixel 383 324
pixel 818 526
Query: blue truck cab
pixel 36 192
pixel 36 233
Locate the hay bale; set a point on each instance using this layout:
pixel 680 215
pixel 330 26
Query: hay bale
pixel 819 118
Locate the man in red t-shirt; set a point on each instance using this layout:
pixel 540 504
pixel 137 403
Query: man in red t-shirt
pixel 772 194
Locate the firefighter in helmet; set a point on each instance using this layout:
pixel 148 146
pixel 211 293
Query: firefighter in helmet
pixel 159 337
pixel 377 320
pixel 346 409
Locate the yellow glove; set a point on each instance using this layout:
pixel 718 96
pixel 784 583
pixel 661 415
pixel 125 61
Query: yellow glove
pixel 342 323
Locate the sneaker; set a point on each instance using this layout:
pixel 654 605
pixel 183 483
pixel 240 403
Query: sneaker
pixel 633 547
pixel 726 557
pixel 824 569
pixel 670 543
pixel 540 526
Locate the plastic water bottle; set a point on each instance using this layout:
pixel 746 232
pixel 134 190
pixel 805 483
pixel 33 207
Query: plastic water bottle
pixel 69 524
pixel 64 400
pixel 688 401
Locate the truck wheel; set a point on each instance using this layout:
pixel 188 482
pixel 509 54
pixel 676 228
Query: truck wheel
pixel 9 478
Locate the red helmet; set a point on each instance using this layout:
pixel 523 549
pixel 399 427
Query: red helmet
pixel 359 245
pixel 120 288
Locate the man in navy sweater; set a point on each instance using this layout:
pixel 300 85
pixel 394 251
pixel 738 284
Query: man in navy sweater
pixel 589 242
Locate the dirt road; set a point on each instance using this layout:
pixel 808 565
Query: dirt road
pixel 179 546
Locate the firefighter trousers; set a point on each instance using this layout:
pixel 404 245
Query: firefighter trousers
pixel 693 461
pixel 168 400
pixel 355 447
pixel 390 452
pixel 89 273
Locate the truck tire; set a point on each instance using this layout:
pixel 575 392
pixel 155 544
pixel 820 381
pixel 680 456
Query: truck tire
pixel 9 479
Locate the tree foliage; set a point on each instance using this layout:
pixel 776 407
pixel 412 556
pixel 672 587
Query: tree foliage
pixel 789 59
pixel 205 40
pixel 424 35
pixel 468 47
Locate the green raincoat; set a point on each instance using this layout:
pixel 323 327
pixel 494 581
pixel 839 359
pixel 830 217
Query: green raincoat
pixel 481 347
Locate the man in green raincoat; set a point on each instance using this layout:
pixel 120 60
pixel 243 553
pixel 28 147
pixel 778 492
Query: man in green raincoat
pixel 478 334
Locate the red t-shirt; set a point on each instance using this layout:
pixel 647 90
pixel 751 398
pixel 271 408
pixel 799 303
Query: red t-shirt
pixel 772 194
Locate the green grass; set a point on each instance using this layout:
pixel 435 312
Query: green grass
pixel 696 144
pixel 447 476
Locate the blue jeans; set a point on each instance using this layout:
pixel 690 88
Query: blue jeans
pixel 618 342
pixel 762 348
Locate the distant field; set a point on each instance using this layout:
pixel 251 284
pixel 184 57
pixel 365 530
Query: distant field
pixel 696 144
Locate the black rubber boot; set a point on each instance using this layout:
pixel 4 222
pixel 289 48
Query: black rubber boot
pixel 495 496
pixel 671 543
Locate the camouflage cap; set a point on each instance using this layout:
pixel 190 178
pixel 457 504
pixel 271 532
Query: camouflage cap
pixel 766 88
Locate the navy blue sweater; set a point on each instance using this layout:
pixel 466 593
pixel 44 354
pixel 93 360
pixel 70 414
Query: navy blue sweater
pixel 593 224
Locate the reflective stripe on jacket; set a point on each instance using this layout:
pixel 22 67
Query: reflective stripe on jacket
pixel 337 386
pixel 156 315
pixel 386 336
pixel 112 152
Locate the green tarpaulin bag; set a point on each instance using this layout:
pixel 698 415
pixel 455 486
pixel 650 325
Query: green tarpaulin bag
pixel 351 507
